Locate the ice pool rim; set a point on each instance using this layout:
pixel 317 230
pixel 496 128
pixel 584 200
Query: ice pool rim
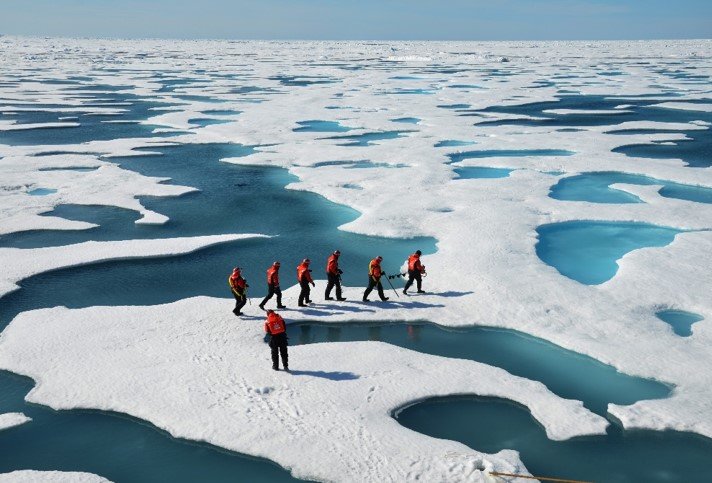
pixel 613 420
pixel 691 319
pixel 573 221
pixel 657 182
pixel 464 328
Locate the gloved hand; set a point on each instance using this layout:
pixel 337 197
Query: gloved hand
pixel 340 271
pixel 313 284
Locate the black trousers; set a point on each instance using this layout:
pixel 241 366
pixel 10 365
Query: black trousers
pixel 374 283
pixel 240 301
pixel 279 343
pixel 414 275
pixel 304 294
pixel 333 281
pixel 272 290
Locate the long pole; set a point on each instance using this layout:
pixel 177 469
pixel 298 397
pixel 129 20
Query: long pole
pixel 389 283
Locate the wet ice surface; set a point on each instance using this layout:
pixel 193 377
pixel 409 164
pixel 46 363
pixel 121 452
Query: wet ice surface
pixel 605 148
pixel 587 251
pixel 565 373
pixel 475 172
pixel 596 188
pixel 321 126
pixel 620 456
pixel 367 139
pixel 506 153
pixel 680 321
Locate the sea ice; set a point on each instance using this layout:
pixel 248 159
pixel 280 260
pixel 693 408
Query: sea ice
pixel 9 420
pixel 486 229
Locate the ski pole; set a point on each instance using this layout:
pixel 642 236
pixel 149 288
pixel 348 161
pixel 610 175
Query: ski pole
pixel 389 283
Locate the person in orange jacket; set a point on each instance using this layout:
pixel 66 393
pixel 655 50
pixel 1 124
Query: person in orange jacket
pixel 238 287
pixel 277 330
pixel 273 286
pixel 333 275
pixel 415 272
pixel 374 279
pixel 304 278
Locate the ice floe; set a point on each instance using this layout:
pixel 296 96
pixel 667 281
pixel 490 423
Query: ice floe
pixel 194 370
pixel 486 231
pixel 32 476
pixel 9 420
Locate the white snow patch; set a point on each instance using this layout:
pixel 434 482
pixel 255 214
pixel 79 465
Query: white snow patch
pixel 9 420
pixel 32 476
pixel 687 106
pixel 12 126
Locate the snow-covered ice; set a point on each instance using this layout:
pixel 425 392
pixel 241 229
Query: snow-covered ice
pixel 192 369
pixel 486 232
pixel 9 420
pixel 32 476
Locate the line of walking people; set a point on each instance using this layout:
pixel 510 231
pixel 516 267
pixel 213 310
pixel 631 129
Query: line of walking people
pixel 276 327
pixel 238 284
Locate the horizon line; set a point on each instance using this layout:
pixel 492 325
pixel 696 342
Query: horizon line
pixel 227 39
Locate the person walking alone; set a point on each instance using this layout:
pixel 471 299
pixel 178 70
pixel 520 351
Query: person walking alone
pixel 374 279
pixel 304 278
pixel 273 286
pixel 333 275
pixel 238 287
pixel 415 272
pixel 277 330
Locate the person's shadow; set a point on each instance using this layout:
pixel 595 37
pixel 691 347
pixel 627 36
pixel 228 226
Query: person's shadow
pixel 334 376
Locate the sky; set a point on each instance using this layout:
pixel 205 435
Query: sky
pixel 360 19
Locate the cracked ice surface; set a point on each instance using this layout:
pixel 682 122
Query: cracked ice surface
pixel 486 228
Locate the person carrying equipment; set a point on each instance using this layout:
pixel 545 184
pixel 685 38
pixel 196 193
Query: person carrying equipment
pixel 273 286
pixel 304 278
pixel 277 330
pixel 415 272
pixel 374 279
pixel 238 287
pixel 333 275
